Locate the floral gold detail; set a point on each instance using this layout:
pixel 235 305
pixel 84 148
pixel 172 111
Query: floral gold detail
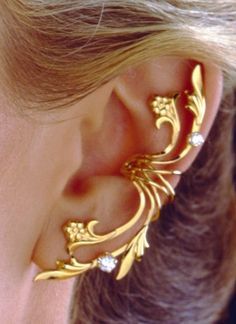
pixel 149 174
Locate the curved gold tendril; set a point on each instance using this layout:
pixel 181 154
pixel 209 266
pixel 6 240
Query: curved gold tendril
pixel 148 180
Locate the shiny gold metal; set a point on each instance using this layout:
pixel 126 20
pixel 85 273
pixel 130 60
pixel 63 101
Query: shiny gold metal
pixel 149 178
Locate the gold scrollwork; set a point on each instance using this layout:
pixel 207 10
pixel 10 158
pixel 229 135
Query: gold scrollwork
pixel 149 180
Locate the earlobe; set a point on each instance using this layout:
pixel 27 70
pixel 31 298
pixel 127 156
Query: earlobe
pixel 153 175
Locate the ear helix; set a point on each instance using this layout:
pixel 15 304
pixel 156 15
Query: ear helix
pixel 148 175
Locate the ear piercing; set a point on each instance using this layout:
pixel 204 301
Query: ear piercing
pixel 148 175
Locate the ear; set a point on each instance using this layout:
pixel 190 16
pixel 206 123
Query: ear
pixel 165 77
pixel 124 125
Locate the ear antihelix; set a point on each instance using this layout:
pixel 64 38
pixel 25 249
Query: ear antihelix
pixel 149 174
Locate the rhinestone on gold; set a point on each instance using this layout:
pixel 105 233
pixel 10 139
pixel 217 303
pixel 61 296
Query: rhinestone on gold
pixel 107 263
pixel 196 139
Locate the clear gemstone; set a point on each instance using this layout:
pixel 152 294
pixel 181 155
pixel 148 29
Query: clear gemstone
pixel 196 139
pixel 107 263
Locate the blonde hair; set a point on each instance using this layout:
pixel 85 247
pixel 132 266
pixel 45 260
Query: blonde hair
pixel 57 52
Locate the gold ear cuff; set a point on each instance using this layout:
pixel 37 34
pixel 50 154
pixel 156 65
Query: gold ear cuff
pixel 148 175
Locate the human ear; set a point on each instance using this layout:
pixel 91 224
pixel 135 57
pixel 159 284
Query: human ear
pixel 165 77
pixel 93 191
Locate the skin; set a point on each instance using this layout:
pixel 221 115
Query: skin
pixel 52 172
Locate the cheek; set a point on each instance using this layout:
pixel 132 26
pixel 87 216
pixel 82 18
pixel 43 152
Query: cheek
pixel 35 164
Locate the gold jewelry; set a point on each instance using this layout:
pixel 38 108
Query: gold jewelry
pixel 148 176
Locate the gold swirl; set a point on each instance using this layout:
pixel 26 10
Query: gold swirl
pixel 149 181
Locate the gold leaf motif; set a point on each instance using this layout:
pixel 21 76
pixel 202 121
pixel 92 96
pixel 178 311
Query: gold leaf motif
pixel 65 271
pixel 196 101
pixel 142 243
pixel 135 250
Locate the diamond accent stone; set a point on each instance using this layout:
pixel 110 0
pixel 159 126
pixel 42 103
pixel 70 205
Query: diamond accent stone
pixel 196 139
pixel 107 263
